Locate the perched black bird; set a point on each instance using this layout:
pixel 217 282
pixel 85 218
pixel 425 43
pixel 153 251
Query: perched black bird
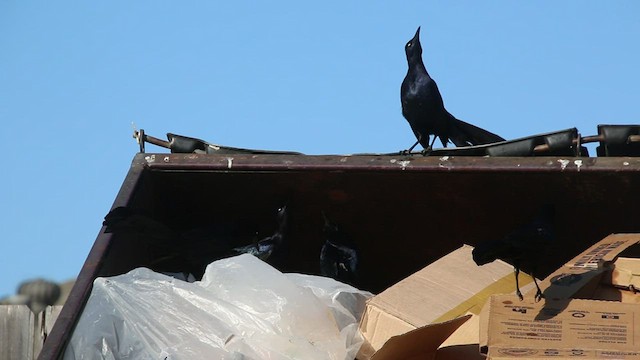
pixel 339 254
pixel 264 248
pixel 524 247
pixel 423 107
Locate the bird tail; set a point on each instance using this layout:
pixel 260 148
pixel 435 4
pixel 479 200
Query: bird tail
pixel 465 134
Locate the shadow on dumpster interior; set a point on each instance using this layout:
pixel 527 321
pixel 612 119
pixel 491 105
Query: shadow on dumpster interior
pixel 400 222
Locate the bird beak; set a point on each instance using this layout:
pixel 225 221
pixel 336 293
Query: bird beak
pixel 416 37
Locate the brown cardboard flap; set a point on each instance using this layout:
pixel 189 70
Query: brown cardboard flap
pixel 466 334
pixel 421 343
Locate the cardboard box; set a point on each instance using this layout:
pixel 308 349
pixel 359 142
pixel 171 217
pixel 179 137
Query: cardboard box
pixel 424 342
pixel 558 329
pixel 433 300
pixel 585 313
pixel 582 276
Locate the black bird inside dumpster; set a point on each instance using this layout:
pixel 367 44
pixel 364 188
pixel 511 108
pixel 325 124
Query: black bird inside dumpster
pixel 524 247
pixel 339 254
pixel 271 244
pixel 423 108
pixel 190 251
pixel 123 219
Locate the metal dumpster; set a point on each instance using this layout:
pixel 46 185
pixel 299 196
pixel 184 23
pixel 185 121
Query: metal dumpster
pixel 404 212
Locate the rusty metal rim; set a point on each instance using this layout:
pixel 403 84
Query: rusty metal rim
pixel 244 162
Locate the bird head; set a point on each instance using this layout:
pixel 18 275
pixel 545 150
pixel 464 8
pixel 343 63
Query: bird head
pixel 413 49
pixel 484 253
pixel 282 218
pixel 282 212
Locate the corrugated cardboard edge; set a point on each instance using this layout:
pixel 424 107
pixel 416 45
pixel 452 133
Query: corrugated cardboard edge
pixel 421 343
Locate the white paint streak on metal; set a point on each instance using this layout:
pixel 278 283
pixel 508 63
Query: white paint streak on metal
pixel 229 162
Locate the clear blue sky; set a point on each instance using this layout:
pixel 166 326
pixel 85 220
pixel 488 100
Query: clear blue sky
pixel 321 79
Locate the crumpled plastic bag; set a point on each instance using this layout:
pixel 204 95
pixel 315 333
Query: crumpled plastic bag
pixel 242 309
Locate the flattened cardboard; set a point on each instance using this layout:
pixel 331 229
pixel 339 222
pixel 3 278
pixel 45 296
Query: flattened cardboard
pixel 449 288
pixel 584 272
pixel 568 328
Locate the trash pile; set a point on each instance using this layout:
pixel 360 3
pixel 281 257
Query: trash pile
pixel 452 309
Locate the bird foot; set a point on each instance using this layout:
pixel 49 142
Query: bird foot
pixel 426 152
pixel 539 295
pixel 404 152
pixel 520 295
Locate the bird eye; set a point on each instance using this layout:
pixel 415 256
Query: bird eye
pixel 408 44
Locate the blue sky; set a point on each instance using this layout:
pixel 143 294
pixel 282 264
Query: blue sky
pixel 321 79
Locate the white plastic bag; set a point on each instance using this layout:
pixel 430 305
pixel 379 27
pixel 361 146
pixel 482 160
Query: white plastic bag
pixel 242 309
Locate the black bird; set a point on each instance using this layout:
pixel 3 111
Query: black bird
pixel 424 109
pixel 265 248
pixel 171 250
pixel 339 254
pixel 523 247
pixel 123 219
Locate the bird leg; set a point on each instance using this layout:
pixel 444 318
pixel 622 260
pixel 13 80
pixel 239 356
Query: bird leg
pixel 539 294
pixel 427 151
pixel 434 141
pixel 516 271
pixel 424 151
pixel 408 151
